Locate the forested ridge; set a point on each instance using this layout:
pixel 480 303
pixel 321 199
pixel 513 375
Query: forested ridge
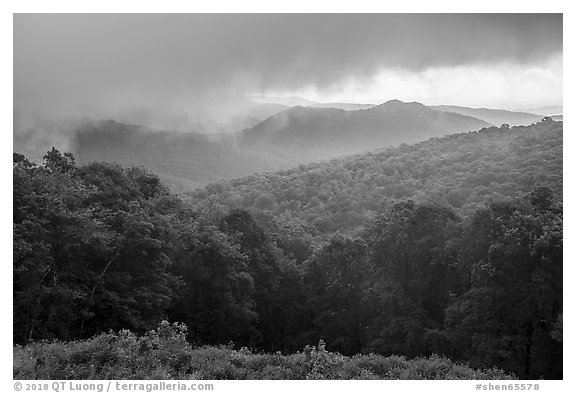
pixel 187 160
pixel 452 247
pixel 461 171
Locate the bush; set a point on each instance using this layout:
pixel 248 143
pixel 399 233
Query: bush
pixel 164 353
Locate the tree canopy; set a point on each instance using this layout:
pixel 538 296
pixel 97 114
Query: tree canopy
pixel 452 247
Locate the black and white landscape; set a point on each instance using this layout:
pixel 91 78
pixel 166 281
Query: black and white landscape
pixel 288 196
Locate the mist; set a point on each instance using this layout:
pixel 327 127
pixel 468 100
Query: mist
pixel 192 71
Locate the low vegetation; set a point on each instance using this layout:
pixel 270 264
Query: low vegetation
pixel 164 353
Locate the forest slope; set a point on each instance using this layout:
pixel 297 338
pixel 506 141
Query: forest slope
pixel 453 246
pixel 461 171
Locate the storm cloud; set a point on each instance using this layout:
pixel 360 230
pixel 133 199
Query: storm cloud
pixel 129 57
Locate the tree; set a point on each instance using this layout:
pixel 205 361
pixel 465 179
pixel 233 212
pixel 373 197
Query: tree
pixel 89 253
pixel 264 202
pixel 412 249
pixel 53 235
pixel 514 255
pixel 276 280
pixel 336 278
pixel 216 298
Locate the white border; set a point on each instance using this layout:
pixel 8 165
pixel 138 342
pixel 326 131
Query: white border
pixel 246 6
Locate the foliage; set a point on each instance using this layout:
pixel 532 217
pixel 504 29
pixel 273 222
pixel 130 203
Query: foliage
pixel 452 247
pixel 163 353
pixel 461 171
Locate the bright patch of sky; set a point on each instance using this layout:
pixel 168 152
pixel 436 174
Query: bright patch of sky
pixel 505 85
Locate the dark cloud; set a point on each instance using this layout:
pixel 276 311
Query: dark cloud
pixel 110 61
pixel 196 51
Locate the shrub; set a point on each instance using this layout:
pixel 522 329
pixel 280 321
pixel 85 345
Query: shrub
pixel 164 353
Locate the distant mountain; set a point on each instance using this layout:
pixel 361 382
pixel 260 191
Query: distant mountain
pixel 344 105
pixel 546 110
pixel 308 134
pixel 299 101
pixel 222 114
pixel 287 101
pixel 34 133
pixel 183 160
pixel 496 117
pixel 298 135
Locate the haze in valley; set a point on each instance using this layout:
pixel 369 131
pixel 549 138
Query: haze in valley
pixel 233 85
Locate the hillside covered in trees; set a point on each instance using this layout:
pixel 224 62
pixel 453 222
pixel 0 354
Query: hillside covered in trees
pixel 461 171
pixel 450 247
pixel 192 159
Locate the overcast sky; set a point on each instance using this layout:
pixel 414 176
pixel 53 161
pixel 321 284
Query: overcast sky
pixel 107 60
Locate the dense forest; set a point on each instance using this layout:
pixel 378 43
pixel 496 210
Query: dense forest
pixel 461 171
pixel 450 247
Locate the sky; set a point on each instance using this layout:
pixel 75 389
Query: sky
pixel 103 62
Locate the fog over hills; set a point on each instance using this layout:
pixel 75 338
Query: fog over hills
pixel 344 105
pixel 299 101
pixel 274 137
pixel 35 132
pixel 184 160
pixel 298 135
pixel 286 101
pixel 308 133
pixel 493 116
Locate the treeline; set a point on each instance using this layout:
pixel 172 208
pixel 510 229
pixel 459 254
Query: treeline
pixel 102 247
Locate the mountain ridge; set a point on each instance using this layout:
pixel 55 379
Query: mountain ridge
pixel 329 132
pixel 296 135
pixel 495 117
